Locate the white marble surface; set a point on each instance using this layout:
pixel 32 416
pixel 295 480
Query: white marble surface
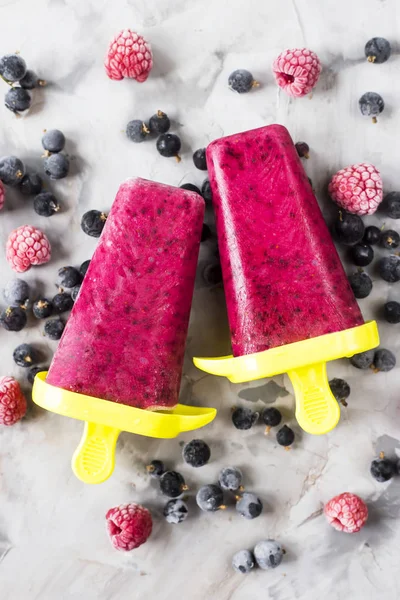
pixel 53 543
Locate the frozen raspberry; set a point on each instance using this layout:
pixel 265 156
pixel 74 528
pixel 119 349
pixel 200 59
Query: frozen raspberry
pixel 27 246
pixel 12 401
pixel 346 512
pixel 2 195
pixel 297 71
pixel 129 526
pixel 357 189
pixel 129 55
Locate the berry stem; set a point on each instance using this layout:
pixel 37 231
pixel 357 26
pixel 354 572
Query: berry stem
pixel 184 487
pixel 178 158
pixel 374 120
pixel 222 507
pixel 381 455
pixel 371 59
pixel 255 83
pixel 267 430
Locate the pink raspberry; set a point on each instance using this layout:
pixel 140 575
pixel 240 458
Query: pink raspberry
pixel 297 71
pixel 346 512
pixel 27 246
pixel 129 526
pixel 357 189
pixel 2 195
pixel 129 55
pixel 12 401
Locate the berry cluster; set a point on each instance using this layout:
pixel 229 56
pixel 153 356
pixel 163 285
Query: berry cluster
pixel 377 50
pixel 245 418
pixel 21 80
pixel 168 144
pixel 56 164
pixel 266 555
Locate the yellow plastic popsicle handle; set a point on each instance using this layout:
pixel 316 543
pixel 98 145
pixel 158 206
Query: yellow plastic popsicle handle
pixel 94 459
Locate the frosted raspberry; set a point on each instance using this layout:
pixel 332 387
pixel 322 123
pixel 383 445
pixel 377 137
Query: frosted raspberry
pixel 2 195
pixel 357 189
pixel 27 246
pixel 12 401
pixel 129 526
pixel 129 55
pixel 297 71
pixel 346 512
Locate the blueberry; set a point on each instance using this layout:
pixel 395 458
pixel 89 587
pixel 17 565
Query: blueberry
pixel 62 302
pixel 156 468
pixel 340 389
pixel 271 417
pixel 196 453
pixel 363 360
pixel 285 436
pixel 30 81
pixel 361 254
pixel 12 170
pixel 199 159
pixel 205 233
pixel 241 81
pixel 372 235
pixel 54 328
pixel 377 50
pixel 349 228
pixel 31 374
pixel 84 267
pixel 45 204
pixel 210 498
pixel 42 308
pixel 13 318
pixel 175 511
pixel 391 312
pixel 244 418
pixel 75 292
pixel 391 205
pixel 68 277
pixel 371 105
pixel 30 184
pixel 212 273
pixel 191 188
pixel 243 561
pixel 390 239
pixel 268 554
pixel 168 145
pixel 303 149
pixel 16 292
pixel 12 67
pixel 361 284
pixel 384 360
pixel 172 484
pixel 137 131
pixel 389 268
pixel 53 141
pixel 25 355
pixel 159 123
pixel 249 505
pixel 93 222
pixel 17 99
pixel 206 191
pixel 382 469
pixel 230 479
pixel 56 166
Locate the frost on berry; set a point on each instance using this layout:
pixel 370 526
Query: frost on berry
pixel 12 401
pixel 27 246
pixel 346 512
pixel 297 71
pixel 129 526
pixel 129 55
pixel 357 189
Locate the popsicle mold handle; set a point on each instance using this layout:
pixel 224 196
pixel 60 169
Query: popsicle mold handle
pixel 94 458
pixel 317 410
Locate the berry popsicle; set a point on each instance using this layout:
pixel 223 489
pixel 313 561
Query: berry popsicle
pixel 123 345
pixel 289 303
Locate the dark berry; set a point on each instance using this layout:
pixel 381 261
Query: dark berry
pixel 199 159
pixel 363 360
pixel 175 511
pixel 93 222
pixel 25 355
pixel 268 554
pixel 390 239
pixel 31 374
pixel 12 67
pixel 137 131
pixel 210 498
pixel 16 292
pixel 249 505
pixel 389 268
pixel 31 184
pixel 340 389
pixel 384 360
pixel 372 235
pixel 12 170
pixel 241 81
pixel 17 99
pixel 244 418
pixel 271 417
pixel 243 561
pixel 361 254
pixel 168 145
pixel 371 105
pixel 62 302
pixel 196 453
pixel 361 284
pixel 42 308
pixel 191 188
pixel 172 484
pixel 206 191
pixel 53 141
pixel 391 205
pixel 84 267
pixel 13 318
pixel 30 81
pixel 75 292
pixel 155 468
pixel 303 149
pixel 56 166
pixel 349 228
pixel 159 123
pixel 54 328
pixel 382 469
pixel 285 436
pixel 45 204
pixel 230 478
pixel 377 50
pixel 68 277
pixel 205 233
pixel 212 274
pixel 392 312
